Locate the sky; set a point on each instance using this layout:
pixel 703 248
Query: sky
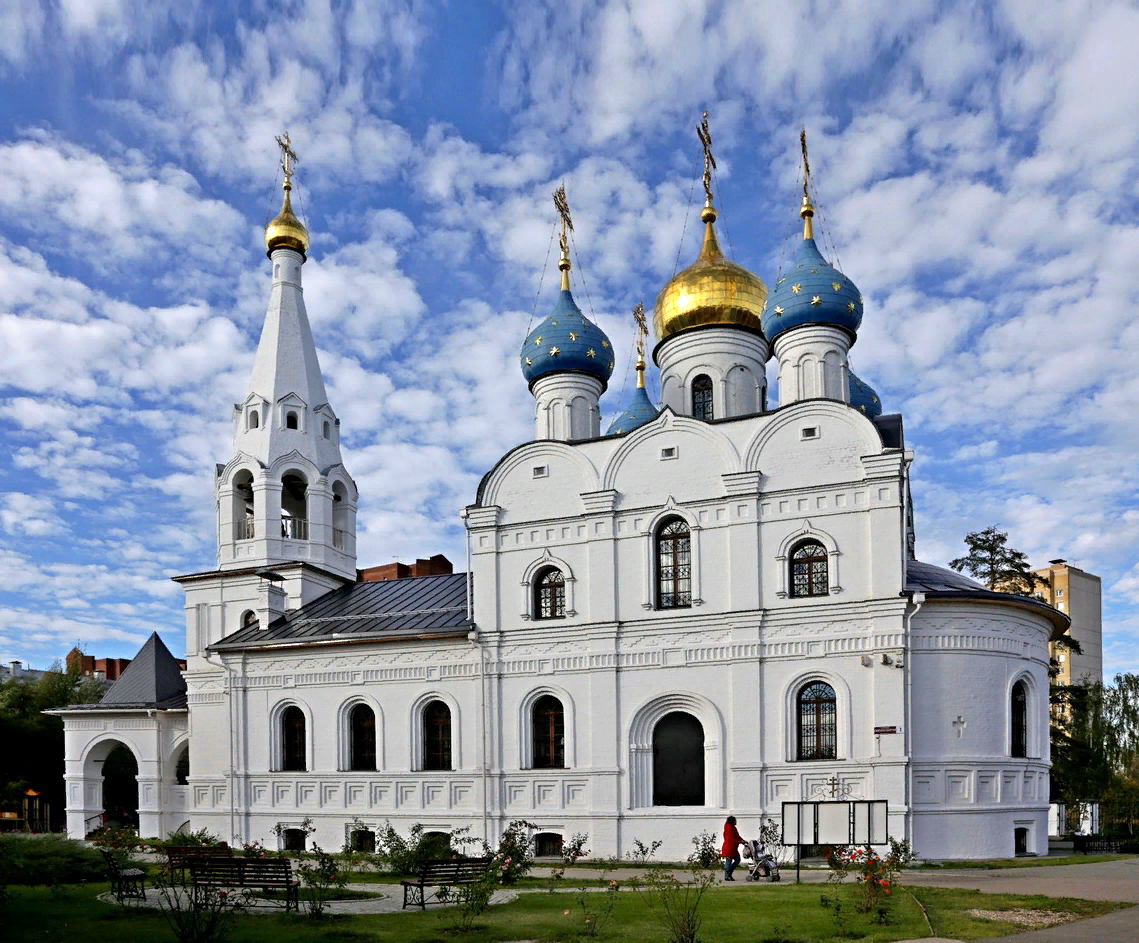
pixel 977 174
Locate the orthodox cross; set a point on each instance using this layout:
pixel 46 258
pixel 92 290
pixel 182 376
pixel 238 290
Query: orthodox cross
pixel 806 163
pixel 833 787
pixel 705 136
pixel 562 206
pixel 642 329
pixel 960 723
pixel 289 158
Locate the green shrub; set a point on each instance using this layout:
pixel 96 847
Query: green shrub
pixel 48 860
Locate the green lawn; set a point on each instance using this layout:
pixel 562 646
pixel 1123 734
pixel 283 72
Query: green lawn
pixel 1042 862
pixel 753 913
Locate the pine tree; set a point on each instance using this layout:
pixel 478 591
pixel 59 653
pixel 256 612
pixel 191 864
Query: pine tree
pixel 1001 568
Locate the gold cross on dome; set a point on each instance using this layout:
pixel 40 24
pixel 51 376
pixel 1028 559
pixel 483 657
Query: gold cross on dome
pixel 705 135
pixel 642 327
pixel 561 204
pixel 289 158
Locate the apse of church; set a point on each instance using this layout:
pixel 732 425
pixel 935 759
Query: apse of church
pixel 712 606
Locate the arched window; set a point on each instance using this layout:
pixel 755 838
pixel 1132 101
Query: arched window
pixel 294 506
pixel 362 737
pixel 254 419
pixel 340 515
pixel 182 767
pixel 818 722
pixel 678 760
pixel 809 570
pixel 293 752
pixel 702 397
pixel 550 594
pixel 549 733
pixel 674 565
pixel 249 619
pixel 290 420
pixel 1019 709
pixel 327 429
pixel 436 736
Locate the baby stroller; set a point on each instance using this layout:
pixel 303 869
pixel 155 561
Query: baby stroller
pixel 761 865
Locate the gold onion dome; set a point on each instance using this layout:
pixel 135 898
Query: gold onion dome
pixel 711 290
pixel 285 231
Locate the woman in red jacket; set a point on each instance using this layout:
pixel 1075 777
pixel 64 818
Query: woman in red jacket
pixel 730 850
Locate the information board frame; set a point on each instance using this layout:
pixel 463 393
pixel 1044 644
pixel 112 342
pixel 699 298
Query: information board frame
pixel 834 822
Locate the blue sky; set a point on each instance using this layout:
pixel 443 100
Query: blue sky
pixel 977 168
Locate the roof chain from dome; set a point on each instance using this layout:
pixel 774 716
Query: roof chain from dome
pixel 811 290
pixel 641 409
pixel 566 340
pixel 711 290
pixel 285 231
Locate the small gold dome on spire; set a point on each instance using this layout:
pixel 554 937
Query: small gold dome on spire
pixel 285 231
pixel 711 290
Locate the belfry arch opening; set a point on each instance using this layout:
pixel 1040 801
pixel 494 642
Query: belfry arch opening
pixel 294 506
pixel 340 514
pixel 678 760
pixel 243 505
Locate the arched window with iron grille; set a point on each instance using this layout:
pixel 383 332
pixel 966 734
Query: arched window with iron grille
pixel 549 732
pixel 436 736
pixel 702 397
pixel 550 594
pixel 293 753
pixel 362 737
pixel 1019 709
pixel 674 565
pixel 818 722
pixel 809 575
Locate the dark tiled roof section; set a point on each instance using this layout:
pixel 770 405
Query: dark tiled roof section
pixel 152 679
pixel 388 610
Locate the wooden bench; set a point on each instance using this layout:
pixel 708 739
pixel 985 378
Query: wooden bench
pixel 261 873
pixel 444 872
pixel 125 882
pixel 179 856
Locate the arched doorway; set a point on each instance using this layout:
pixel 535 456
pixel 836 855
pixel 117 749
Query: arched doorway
pixel 678 760
pixel 116 765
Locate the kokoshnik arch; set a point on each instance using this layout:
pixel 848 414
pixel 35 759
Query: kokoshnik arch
pixel 713 606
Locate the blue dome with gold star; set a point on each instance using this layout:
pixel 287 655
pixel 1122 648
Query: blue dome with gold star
pixel 567 340
pixel 863 398
pixel 812 291
pixel 639 411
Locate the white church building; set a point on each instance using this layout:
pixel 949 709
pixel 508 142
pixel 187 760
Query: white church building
pixel 711 608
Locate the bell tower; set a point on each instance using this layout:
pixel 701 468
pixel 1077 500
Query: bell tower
pixel 285 495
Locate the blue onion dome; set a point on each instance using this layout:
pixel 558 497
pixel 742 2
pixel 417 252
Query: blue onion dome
pixel 811 290
pixel 864 398
pixel 567 341
pixel 639 411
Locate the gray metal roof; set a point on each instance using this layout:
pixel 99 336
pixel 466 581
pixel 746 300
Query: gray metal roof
pixel 152 679
pixel 386 610
pixel 939 583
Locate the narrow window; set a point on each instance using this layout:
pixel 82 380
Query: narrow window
pixel 1019 705
pixel 436 736
pixel 362 736
pixel 254 419
pixel 551 594
pixel 674 565
pixel 818 722
pixel 809 570
pixel 327 429
pixel 293 740
pixel 291 420
pixel 702 397
pixel 549 733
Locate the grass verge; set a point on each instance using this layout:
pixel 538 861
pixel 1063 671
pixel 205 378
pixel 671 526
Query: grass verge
pixel 948 910
pixel 994 864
